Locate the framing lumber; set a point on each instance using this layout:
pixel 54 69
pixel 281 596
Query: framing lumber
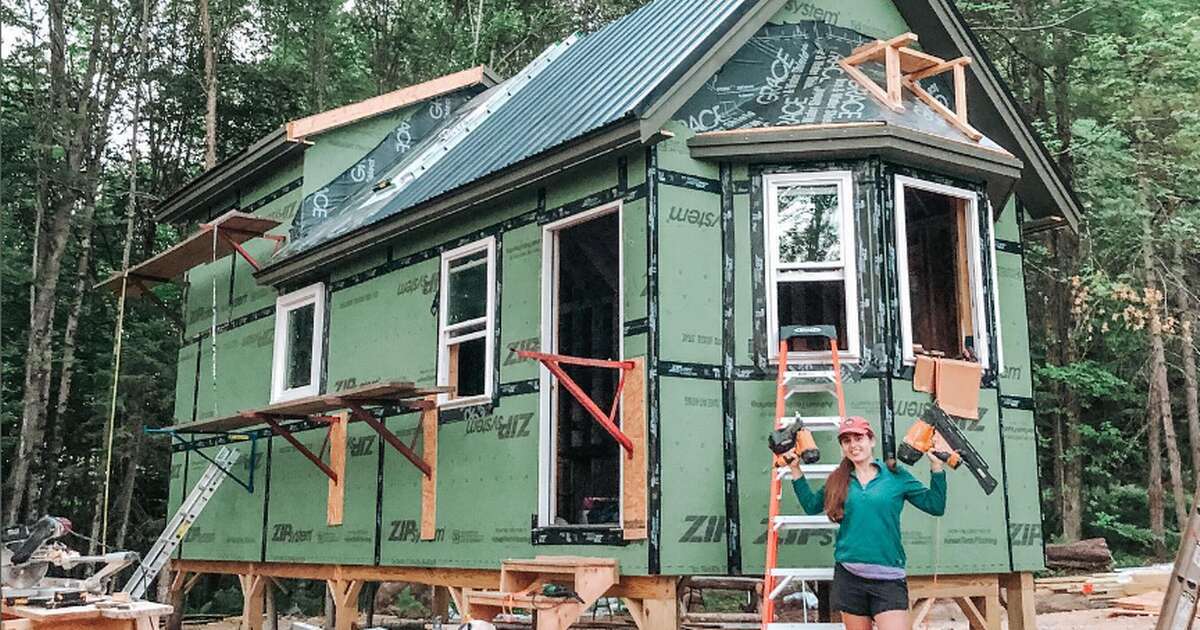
pixel 429 433
pixel 335 506
pixel 633 479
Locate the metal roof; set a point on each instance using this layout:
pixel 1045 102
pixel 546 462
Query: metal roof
pixel 611 74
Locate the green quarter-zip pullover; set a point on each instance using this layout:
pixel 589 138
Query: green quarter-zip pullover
pixel 870 530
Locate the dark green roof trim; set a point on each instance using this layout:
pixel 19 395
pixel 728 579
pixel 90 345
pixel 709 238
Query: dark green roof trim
pixel 944 31
pixel 226 177
pixel 825 142
pixel 620 135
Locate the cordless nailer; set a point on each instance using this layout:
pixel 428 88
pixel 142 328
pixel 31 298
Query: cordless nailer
pixel 795 438
pixel 922 438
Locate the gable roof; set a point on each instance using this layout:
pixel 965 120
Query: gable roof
pixel 290 140
pixel 630 77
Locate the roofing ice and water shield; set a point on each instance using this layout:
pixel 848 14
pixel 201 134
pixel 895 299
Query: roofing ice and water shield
pixel 593 82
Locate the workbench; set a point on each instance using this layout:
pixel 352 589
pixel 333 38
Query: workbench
pixel 102 615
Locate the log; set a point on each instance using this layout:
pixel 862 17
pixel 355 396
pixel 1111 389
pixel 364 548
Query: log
pixel 1090 554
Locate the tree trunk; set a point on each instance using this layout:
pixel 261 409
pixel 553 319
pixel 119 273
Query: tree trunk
pixel 1154 491
pixel 1158 372
pixel 1188 354
pixel 210 88
pixel 1071 449
pixel 125 500
pixel 41 492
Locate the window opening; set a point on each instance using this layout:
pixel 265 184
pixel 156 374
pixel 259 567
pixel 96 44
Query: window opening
pixel 586 295
pixel 296 363
pixel 468 281
pixel 940 283
pixel 811 279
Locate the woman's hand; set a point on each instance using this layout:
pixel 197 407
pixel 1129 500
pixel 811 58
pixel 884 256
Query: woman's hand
pixel 935 464
pixel 793 462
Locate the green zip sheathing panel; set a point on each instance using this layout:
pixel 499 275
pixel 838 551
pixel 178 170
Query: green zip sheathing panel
pixel 520 307
pixel 755 420
pixel 384 329
pixel 692 475
pixel 633 248
pixel 230 526
pixel 486 493
pixel 973 535
pixel 185 381
pixel 877 18
pixel 337 150
pixel 297 518
pixel 199 296
pixel 1016 387
pixel 690 281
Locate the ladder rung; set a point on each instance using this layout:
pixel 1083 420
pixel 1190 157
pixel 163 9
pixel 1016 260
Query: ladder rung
pixel 813 423
pixel 798 625
pixel 811 471
pixel 817 574
pixel 826 375
pixel 802 521
pixel 811 388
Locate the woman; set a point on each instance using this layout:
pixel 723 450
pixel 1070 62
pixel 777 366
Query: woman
pixel 866 497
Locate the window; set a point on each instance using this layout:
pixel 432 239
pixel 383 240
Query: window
pixel 939 264
pixel 811 277
pixel 466 323
pixel 296 364
pixel 581 464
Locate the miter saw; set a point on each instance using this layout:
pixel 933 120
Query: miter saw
pixel 27 551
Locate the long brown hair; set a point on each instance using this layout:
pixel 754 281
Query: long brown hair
pixel 837 486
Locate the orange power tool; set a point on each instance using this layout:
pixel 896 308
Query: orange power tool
pixel 922 438
pixel 795 438
pixel 936 431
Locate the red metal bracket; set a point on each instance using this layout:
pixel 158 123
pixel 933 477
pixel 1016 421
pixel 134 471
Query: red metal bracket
pixel 278 429
pixel 358 413
pixel 240 250
pixel 608 421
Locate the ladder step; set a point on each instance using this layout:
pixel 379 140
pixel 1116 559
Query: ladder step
pixel 813 423
pixel 805 626
pixel 818 574
pixel 811 471
pixel 803 521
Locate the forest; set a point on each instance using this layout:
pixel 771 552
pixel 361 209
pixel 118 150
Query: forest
pixel 108 106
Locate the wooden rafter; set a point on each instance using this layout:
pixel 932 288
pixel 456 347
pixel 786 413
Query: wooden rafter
pixel 905 67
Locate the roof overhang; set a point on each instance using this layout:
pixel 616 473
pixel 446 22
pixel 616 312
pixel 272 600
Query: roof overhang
pixel 998 169
pixel 316 262
pixel 943 31
pixel 291 139
pixel 226 177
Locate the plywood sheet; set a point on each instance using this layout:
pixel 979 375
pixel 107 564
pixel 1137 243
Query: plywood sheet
pixel 633 480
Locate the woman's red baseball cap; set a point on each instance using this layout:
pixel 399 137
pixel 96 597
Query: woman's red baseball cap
pixel 855 424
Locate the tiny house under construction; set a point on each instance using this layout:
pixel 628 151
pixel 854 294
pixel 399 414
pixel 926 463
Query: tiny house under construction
pixel 660 196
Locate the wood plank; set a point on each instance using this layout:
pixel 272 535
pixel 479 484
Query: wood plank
pixel 1020 604
pixel 633 479
pixel 192 251
pixel 335 506
pixel 341 116
pixel 429 453
pixel 945 113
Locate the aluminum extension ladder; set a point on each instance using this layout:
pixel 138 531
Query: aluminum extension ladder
pixel 789 382
pixel 1183 591
pixel 179 524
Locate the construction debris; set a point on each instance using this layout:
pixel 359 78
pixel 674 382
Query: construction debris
pixel 1103 589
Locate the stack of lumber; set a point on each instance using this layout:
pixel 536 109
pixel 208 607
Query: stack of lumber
pixel 1147 603
pixel 1104 588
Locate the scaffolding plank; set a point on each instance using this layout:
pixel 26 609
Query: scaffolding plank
pixel 377 394
pixel 235 227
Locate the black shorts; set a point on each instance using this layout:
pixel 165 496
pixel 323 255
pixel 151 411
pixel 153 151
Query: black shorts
pixel 859 596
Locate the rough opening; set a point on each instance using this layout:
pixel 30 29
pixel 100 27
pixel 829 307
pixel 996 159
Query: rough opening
pixel 939 284
pixel 587 290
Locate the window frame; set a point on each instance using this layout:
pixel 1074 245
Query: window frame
pixel 548 393
pixel 488 320
pixel 975 263
pixel 846 270
pixel 313 294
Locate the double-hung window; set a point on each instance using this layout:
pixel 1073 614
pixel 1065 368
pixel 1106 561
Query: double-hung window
pixel 296 364
pixel 811 278
pixel 466 322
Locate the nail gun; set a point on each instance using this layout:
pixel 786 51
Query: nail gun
pixel 794 438
pixel 936 431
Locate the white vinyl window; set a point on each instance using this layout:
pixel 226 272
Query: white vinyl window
pixel 299 327
pixel 466 322
pixel 811 277
pixel 939 263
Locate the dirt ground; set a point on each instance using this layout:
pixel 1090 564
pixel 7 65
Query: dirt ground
pixel 943 619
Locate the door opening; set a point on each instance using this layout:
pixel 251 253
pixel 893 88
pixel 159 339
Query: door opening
pixel 586 294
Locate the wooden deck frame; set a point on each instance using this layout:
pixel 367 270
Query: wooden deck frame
pixel 979 598
pixel 651 599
